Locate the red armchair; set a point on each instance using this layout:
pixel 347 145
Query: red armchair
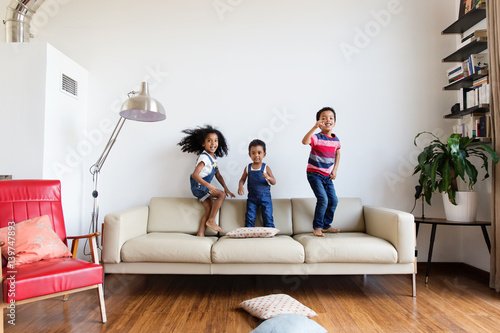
pixel 21 200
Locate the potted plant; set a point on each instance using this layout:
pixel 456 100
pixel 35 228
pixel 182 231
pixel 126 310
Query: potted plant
pixel 441 164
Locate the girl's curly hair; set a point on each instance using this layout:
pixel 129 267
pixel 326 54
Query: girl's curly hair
pixel 193 141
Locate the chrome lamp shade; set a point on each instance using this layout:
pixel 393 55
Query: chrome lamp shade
pixel 143 107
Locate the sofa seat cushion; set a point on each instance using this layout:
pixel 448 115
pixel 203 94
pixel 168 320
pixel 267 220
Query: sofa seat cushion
pixel 168 247
pixel 349 247
pixel 278 249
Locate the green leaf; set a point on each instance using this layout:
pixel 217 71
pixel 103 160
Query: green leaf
pixel 453 143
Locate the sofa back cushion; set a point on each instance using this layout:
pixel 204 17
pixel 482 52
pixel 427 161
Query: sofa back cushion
pixel 232 215
pixel 176 215
pixel 348 216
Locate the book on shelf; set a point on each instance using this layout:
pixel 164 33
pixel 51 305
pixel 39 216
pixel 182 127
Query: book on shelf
pixel 470 98
pixel 456 78
pixel 477 33
pixel 457 72
pixel 480 81
pixel 484 94
pixel 483 127
pixel 477 62
pixel 481 89
pixel 461 99
pixel 470 125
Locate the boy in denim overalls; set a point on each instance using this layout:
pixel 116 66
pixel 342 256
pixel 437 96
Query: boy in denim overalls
pixel 260 177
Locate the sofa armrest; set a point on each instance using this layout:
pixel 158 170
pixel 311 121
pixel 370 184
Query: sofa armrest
pixel 119 227
pixel 396 227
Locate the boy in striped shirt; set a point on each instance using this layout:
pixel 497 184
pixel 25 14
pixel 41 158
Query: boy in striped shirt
pixel 322 169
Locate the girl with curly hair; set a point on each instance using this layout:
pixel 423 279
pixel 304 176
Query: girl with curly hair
pixel 208 143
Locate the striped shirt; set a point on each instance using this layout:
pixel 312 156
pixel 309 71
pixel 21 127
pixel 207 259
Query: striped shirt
pixel 322 156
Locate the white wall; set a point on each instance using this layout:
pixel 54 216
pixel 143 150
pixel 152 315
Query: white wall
pixel 65 123
pixel 22 111
pixel 262 69
pixel 41 124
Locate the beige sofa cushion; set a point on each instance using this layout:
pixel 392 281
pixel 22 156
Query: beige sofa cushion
pixel 348 216
pixel 168 247
pixel 232 215
pixel 350 247
pixel 177 215
pixel 278 249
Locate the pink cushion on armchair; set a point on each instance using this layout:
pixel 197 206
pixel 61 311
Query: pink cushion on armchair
pixel 31 241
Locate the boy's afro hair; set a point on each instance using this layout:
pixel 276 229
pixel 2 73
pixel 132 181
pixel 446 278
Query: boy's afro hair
pixel 193 141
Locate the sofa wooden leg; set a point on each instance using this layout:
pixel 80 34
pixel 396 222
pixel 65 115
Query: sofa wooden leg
pixel 414 277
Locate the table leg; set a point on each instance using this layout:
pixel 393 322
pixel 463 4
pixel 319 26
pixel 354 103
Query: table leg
pixel 417 225
pixel 431 247
pixel 486 238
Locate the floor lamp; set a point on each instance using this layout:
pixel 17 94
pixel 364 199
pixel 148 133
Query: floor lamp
pixel 140 107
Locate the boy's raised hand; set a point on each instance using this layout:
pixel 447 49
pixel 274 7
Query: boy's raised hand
pixel 319 123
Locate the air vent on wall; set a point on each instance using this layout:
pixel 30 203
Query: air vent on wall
pixel 69 85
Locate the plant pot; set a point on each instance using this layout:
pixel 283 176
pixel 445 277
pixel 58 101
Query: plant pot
pixel 466 208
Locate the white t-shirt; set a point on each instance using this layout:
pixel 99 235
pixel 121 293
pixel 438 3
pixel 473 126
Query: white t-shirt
pixel 207 169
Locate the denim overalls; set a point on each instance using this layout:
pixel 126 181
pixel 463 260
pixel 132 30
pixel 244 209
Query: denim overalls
pixel 259 194
pixel 198 190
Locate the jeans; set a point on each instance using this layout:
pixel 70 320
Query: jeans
pixel 327 200
pixel 262 199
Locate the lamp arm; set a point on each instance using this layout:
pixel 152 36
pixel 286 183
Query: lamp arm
pixel 96 167
pixel 95 170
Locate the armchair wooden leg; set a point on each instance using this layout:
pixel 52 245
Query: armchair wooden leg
pixel 100 293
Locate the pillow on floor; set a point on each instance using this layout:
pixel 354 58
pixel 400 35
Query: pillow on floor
pixel 32 240
pixel 266 307
pixel 255 232
pixel 289 323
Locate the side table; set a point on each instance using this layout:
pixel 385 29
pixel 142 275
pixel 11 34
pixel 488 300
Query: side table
pixel 438 221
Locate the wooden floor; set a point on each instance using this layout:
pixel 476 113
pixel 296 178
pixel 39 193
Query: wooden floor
pixel 456 299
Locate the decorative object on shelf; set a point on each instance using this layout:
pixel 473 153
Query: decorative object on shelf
pixel 140 107
pixel 455 108
pixel 440 164
pixel 468 5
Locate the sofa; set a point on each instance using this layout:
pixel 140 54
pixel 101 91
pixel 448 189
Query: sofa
pixel 161 239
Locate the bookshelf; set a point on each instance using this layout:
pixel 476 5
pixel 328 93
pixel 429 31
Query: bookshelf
pixel 466 82
pixel 481 108
pixel 467 21
pixel 475 46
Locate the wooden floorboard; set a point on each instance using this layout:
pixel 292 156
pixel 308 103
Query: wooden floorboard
pixel 457 299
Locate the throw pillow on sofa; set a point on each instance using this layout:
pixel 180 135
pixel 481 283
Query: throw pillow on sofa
pixel 254 232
